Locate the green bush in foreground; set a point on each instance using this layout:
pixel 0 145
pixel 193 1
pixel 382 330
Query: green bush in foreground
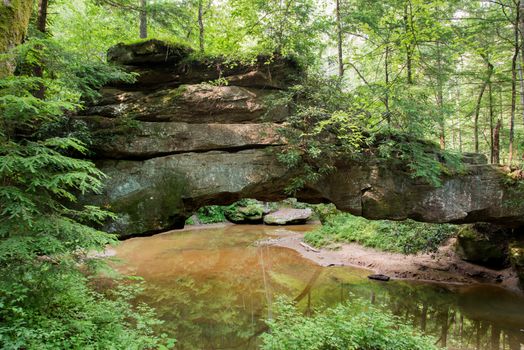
pixel 407 237
pixel 47 300
pixel 352 326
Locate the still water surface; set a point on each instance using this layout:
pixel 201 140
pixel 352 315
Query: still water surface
pixel 213 287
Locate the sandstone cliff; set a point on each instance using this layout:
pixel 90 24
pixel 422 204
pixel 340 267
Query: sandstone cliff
pixel 192 133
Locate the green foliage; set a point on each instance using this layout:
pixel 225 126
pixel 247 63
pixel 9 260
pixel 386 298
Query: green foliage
pixel 352 326
pixel 324 127
pixel 407 237
pixel 329 125
pixel 211 214
pixel 422 159
pixel 46 238
pixel 69 72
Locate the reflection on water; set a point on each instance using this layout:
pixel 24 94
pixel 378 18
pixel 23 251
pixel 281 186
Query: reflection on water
pixel 213 287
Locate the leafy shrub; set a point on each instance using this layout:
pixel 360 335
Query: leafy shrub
pixel 211 214
pixel 329 125
pixel 353 326
pixel 407 237
pixel 46 237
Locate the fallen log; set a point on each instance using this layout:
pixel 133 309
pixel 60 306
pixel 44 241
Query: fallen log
pixel 379 277
pixel 308 247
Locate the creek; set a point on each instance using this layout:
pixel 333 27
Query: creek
pixel 214 286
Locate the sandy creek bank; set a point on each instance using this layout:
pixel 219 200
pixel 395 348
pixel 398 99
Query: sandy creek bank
pixel 442 266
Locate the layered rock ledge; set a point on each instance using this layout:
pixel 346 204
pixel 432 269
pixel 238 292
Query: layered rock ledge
pixel 178 139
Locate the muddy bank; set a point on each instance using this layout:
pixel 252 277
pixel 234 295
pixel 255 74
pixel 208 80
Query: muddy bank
pixel 442 266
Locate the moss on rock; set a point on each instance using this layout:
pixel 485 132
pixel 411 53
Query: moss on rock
pixel 148 52
pixel 483 244
pixel 250 214
pixel 516 256
pixel 14 19
pixel 154 208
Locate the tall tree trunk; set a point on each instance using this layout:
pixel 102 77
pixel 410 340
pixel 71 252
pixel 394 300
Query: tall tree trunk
pixel 339 41
pixel 491 127
pixel 41 23
pixel 15 16
pixel 41 26
pixel 477 113
pixel 513 88
pixel 201 26
pixel 440 100
pixel 143 19
pixel 521 79
pixel 386 98
pixel 409 59
pixel 496 142
pixel 521 30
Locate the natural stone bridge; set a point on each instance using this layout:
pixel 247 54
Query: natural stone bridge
pixel 176 140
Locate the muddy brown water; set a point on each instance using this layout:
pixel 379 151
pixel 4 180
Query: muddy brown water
pixel 213 288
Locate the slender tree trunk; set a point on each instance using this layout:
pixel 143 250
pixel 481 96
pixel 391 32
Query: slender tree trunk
pixel 460 136
pixel 491 127
pixel 386 98
pixel 496 142
pixel 41 26
pixel 440 100
pixel 477 113
pixel 513 88
pixel 143 19
pixel 521 80
pixel 442 125
pixel 201 26
pixel 521 30
pixel 409 58
pixel 339 41
pixel 15 16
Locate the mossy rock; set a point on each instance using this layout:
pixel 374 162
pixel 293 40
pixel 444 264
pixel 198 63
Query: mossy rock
pixel 288 216
pixel 151 209
pixel 148 52
pixel 516 256
pixel 250 214
pixel 483 244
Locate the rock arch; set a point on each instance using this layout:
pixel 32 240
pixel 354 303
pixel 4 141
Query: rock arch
pixel 178 139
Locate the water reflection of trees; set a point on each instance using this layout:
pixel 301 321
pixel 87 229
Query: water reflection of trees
pixel 226 313
pixel 213 289
pixel 460 318
pixel 212 301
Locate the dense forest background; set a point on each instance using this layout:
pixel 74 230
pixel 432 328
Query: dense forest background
pixel 449 71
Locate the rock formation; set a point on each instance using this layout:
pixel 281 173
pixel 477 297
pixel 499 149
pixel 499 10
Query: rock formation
pixel 192 133
pixel 288 216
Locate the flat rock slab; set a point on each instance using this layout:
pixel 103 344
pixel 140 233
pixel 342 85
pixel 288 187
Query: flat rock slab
pixel 288 216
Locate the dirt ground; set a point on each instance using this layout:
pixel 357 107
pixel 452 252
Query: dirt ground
pixel 441 266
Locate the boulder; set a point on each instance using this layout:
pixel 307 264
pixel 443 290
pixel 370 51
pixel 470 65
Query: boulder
pixel 474 158
pixel 484 244
pixel 148 52
pixel 158 63
pixel 288 216
pixel 516 254
pixel 249 214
